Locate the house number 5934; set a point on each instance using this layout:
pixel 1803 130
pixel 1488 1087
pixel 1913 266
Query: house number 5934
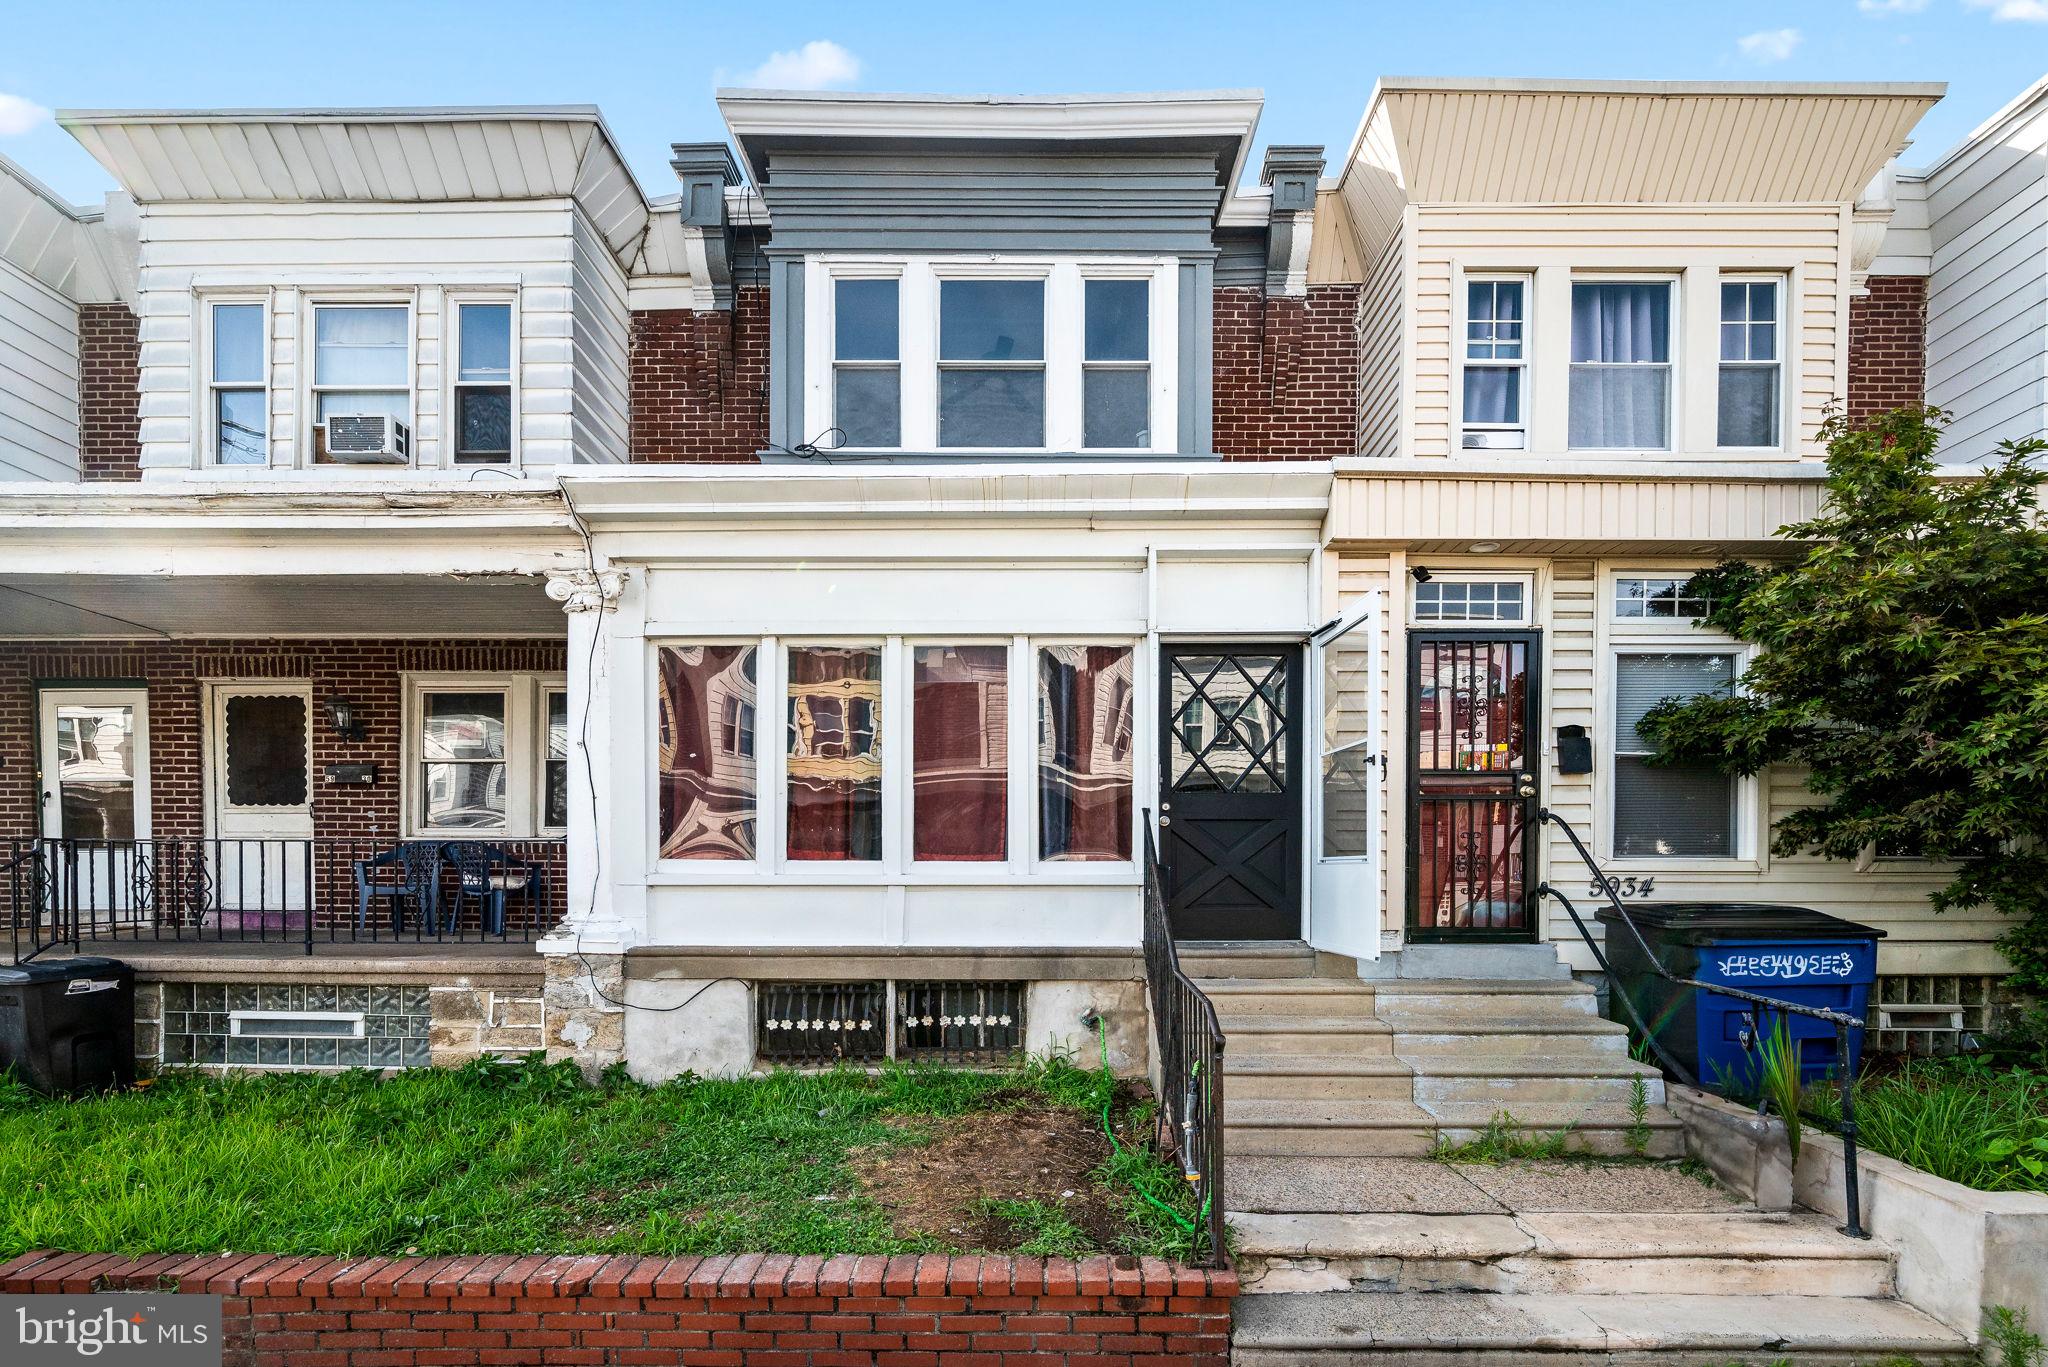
pixel 1622 887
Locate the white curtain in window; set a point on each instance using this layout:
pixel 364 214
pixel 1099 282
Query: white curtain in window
pixel 1621 372
pixel 360 347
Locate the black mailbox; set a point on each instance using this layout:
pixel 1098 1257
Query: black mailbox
pixel 352 773
pixel 1574 750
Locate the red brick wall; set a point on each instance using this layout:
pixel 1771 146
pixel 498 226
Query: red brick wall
pixel 109 421
pixel 750 1310
pixel 1888 345
pixel 1286 373
pixel 700 381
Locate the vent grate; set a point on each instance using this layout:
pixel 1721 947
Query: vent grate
pixel 821 1022
pixel 959 1022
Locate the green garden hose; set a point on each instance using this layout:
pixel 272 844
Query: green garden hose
pixel 1108 1096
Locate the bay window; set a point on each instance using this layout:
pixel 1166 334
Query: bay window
pixel 706 772
pixel 992 363
pixel 1495 364
pixel 239 401
pixel 833 761
pixel 1084 753
pixel 1620 390
pixel 960 754
pixel 1750 384
pixel 362 365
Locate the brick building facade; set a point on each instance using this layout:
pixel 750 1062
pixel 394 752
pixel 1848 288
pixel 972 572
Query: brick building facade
pixel 1888 345
pixel 109 395
pixel 1286 373
pixel 700 381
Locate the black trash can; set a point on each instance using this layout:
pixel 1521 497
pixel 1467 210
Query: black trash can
pixel 1792 954
pixel 67 1026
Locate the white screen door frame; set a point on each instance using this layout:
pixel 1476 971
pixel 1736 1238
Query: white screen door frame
pixel 1344 872
pixel 260 862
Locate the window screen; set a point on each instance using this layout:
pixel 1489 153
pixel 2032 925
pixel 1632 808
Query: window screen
pixel 1667 811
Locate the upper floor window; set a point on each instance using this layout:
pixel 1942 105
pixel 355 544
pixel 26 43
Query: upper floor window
pixel 362 365
pixel 1496 364
pixel 1750 365
pixel 238 400
pixel 972 355
pixel 1620 395
pixel 483 383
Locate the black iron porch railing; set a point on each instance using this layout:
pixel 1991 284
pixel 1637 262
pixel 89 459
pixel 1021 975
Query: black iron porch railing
pixel 1842 1022
pixel 1188 1044
pixel 296 894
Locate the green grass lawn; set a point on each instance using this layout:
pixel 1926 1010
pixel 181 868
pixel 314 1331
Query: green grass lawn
pixel 516 1158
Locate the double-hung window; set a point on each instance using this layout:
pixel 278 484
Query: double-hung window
pixel 991 362
pixel 487 754
pixel 1116 377
pixel 362 365
pixel 1496 364
pixel 1751 367
pixel 483 383
pixel 867 362
pixel 1620 391
pixel 238 400
pixel 1667 811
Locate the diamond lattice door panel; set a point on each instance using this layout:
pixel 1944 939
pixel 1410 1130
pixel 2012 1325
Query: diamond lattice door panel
pixel 1230 813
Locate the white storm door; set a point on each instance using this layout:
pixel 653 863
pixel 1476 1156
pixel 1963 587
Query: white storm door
pixel 1347 735
pixel 259 799
pixel 94 761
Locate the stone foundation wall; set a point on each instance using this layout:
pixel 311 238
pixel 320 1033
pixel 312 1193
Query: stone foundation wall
pixel 581 1025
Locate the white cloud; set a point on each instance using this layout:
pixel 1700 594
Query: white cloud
pixel 2023 11
pixel 818 65
pixel 1769 45
pixel 1891 6
pixel 17 115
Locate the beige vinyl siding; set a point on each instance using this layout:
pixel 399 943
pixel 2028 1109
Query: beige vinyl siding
pixel 38 380
pixel 1805 243
pixel 421 252
pixel 1382 326
pixel 1987 289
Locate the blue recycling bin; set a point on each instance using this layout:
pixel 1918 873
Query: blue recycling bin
pixel 1794 954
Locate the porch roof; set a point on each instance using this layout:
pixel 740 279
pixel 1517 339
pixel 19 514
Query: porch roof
pixel 125 606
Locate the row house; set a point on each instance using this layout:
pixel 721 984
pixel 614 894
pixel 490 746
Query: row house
pixel 455 594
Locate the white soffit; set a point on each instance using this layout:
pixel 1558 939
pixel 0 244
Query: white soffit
pixel 424 155
pixel 46 239
pixel 1455 141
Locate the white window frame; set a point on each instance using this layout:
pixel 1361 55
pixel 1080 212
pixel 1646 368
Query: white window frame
pixel 452 304
pixel 525 752
pixel 208 453
pixel 1620 636
pixel 830 341
pixel 1526 578
pixel 544 689
pixel 771 863
pixel 1065 319
pixel 1674 400
pixel 310 389
pixel 1782 415
pixel 1525 395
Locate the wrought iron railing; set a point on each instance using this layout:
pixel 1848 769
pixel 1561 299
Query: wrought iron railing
pixel 1842 1022
pixel 1188 1044
pixel 292 893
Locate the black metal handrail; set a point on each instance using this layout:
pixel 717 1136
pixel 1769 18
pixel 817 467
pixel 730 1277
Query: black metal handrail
pixel 301 893
pixel 1188 1043
pixel 1842 1021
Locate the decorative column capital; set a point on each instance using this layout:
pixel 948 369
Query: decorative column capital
pixel 586 590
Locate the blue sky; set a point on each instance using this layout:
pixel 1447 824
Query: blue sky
pixel 652 67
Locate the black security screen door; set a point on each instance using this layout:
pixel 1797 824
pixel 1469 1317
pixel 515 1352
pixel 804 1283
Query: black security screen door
pixel 1472 784
pixel 1230 801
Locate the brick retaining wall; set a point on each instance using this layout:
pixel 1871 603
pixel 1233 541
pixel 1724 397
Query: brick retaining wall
pixel 748 1310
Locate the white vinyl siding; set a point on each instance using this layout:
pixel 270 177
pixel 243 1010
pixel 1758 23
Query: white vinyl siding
pixel 38 380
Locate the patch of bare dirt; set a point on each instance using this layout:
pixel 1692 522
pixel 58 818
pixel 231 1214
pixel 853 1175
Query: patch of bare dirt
pixel 1037 1153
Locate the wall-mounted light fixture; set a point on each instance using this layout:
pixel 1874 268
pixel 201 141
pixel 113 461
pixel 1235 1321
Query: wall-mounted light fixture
pixel 342 715
pixel 1422 574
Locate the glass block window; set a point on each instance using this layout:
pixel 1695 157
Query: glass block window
pixel 959 1022
pixel 1931 1014
pixel 1472 600
pixel 1659 599
pixel 295 1026
pixel 820 1022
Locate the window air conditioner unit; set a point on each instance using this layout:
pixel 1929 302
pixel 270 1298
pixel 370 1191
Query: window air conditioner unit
pixel 368 439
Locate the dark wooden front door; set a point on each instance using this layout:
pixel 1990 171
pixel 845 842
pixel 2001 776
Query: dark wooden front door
pixel 1472 784
pixel 1230 796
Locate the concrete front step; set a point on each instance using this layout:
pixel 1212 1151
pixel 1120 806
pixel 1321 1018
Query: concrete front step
pixel 1258 1034
pixel 1429 1329
pixel 1245 959
pixel 1316 1077
pixel 1590 1127
pixel 1288 996
pixel 1510 1081
pixel 1467 962
pixel 1293 1128
pixel 1552 1034
pixel 1731 1253
pixel 1482 1007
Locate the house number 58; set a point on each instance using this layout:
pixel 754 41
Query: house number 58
pixel 1622 887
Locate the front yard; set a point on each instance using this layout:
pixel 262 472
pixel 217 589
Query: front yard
pixel 525 1157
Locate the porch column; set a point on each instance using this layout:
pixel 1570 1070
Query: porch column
pixel 595 924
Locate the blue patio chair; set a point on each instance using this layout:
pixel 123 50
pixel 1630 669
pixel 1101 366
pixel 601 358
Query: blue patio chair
pixel 409 870
pixel 494 876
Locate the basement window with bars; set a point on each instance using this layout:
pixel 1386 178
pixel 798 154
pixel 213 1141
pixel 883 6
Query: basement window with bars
pixel 959 1022
pixel 821 1022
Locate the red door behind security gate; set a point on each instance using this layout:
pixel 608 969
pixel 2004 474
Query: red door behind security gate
pixel 1472 785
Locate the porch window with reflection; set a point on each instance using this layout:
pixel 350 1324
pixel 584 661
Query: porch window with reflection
pixel 554 803
pixel 960 715
pixel 1084 753
pixel 707 763
pixel 462 760
pixel 96 772
pixel 834 753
